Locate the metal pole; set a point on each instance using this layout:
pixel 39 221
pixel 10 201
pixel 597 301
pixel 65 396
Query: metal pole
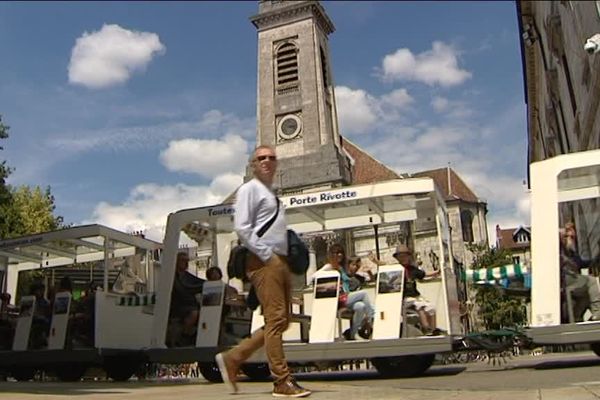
pixel 106 254
pixel 376 228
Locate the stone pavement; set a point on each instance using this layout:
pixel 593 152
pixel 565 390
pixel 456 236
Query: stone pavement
pixel 261 390
pixel 550 377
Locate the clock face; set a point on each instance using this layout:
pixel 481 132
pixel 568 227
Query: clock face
pixel 289 127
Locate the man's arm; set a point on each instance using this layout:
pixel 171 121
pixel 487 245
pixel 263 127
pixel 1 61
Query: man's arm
pixel 243 221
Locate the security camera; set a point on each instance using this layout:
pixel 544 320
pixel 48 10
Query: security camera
pixel 592 45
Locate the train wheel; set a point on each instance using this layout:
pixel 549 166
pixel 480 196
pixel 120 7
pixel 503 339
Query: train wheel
pixel 23 374
pixel 596 348
pixel 120 370
pixel 257 372
pixel 210 372
pixel 71 372
pixel 403 366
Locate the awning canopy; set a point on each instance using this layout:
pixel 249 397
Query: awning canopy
pixel 491 274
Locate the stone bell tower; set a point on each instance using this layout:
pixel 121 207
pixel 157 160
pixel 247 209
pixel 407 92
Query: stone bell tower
pixel 296 111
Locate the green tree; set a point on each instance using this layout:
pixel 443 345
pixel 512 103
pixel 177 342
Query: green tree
pixel 32 211
pixel 496 309
pixel 24 210
pixel 4 169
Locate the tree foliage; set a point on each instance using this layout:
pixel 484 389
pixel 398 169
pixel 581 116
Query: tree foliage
pixel 24 210
pixel 31 211
pixel 496 309
pixel 4 169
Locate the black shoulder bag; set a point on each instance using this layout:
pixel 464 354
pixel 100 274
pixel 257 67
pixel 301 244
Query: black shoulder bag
pixel 236 265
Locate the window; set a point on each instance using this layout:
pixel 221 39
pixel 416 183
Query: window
pixel 516 259
pixel 466 221
pixel 287 65
pixel 522 238
pixel 324 69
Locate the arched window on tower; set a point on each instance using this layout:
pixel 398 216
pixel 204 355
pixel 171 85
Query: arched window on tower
pixel 466 222
pixel 324 69
pixel 287 65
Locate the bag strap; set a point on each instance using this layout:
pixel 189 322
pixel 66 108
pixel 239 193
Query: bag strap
pixel 263 229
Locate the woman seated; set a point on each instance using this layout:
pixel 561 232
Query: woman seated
pixel 357 301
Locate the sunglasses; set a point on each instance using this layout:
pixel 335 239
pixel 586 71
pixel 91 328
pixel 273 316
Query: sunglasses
pixel 263 158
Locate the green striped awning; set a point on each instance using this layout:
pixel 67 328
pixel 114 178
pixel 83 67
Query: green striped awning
pixel 492 274
pixel 137 300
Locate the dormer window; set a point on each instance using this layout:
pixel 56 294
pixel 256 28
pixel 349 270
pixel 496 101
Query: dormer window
pixel 287 65
pixel 522 237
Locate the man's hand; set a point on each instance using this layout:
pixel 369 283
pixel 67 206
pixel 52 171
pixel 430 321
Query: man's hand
pixel 374 260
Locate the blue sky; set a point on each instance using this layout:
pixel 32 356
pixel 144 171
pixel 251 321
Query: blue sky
pixel 132 110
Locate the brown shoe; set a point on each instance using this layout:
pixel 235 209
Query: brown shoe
pixel 228 371
pixel 290 388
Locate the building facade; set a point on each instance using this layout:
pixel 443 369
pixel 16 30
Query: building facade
pixel 296 110
pixel 517 241
pixel 562 92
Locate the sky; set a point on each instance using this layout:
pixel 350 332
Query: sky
pixel 132 110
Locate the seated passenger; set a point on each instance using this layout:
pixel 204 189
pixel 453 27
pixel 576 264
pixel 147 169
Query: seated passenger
pixel 40 324
pixel 43 312
pixel 583 288
pixel 215 274
pixel 362 272
pixel 84 315
pixel 184 305
pixel 357 301
pixel 412 297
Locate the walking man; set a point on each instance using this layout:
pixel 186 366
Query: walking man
pixel 267 270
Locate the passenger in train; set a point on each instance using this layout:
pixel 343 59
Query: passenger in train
pixel 364 272
pixel 43 312
pixel 6 325
pixel 184 305
pixel 215 274
pixel 583 288
pixel 412 296
pixel 42 315
pixel 357 300
pixel 84 315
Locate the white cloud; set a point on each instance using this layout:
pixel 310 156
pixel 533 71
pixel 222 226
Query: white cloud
pixel 356 110
pixel 439 104
pixel 214 123
pixel 436 66
pixel 452 108
pixel 148 205
pixel 206 157
pixel 110 56
pixel 360 112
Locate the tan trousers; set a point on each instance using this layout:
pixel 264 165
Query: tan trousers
pixel 272 283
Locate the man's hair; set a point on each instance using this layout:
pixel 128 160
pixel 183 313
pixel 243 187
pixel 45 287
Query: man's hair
pixel 215 270
pixel 262 146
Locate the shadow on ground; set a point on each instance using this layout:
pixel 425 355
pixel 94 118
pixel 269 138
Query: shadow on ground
pixel 86 388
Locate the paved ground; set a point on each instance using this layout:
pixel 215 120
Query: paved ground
pixel 549 377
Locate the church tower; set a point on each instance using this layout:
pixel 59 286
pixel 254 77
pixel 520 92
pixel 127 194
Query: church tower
pixel 296 111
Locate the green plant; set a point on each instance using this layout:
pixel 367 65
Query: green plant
pixel 496 309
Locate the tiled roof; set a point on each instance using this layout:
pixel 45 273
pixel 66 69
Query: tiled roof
pixel 366 168
pixel 458 189
pixel 505 238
